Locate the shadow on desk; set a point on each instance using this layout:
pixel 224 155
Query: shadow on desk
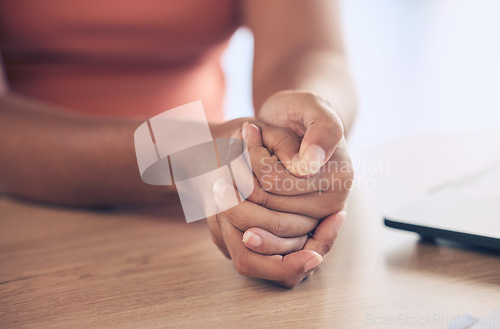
pixel 448 259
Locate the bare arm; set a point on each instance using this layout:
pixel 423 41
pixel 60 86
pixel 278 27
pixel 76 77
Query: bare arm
pixel 52 156
pixel 298 46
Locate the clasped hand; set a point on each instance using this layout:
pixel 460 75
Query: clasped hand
pixel 302 174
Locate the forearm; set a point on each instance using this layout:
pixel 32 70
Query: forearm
pixel 323 72
pixel 48 155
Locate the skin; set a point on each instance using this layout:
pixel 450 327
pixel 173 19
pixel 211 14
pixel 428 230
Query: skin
pixel 282 222
pixel 303 84
pixel 302 93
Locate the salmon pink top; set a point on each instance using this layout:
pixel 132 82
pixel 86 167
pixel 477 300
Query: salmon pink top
pixel 127 58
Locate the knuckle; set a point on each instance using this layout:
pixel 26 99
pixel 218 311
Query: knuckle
pixel 279 226
pixel 336 123
pixel 224 250
pixel 335 130
pixel 346 170
pixel 260 197
pixel 336 204
pixel 327 244
pixel 231 212
pixel 290 283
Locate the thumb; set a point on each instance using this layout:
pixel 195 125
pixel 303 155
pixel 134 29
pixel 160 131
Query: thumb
pixel 299 264
pixel 311 117
pixel 323 131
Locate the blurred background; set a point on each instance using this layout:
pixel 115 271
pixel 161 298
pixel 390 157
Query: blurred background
pixel 420 67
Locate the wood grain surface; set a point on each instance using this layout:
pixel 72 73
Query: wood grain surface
pixel 78 268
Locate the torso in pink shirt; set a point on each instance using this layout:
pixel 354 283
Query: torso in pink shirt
pixel 130 58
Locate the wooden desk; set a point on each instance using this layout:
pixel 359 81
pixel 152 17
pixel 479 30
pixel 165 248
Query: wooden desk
pixel 66 268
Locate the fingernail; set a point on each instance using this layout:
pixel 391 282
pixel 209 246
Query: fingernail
pixel 244 130
pixel 252 239
pixel 340 220
pixel 313 262
pixel 220 187
pixel 313 158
